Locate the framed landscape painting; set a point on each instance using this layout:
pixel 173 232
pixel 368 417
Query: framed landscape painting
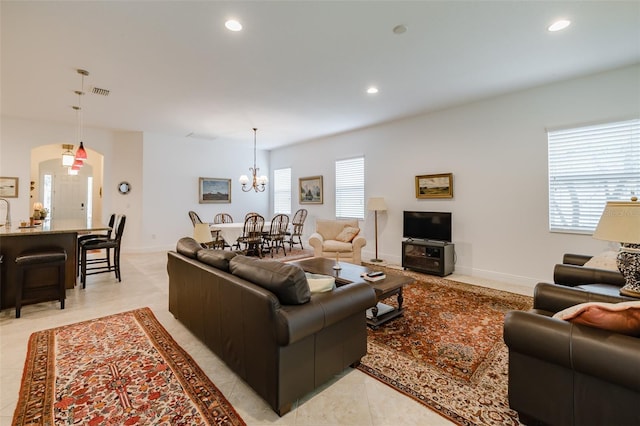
pixel 214 190
pixel 9 187
pixel 434 186
pixel 310 190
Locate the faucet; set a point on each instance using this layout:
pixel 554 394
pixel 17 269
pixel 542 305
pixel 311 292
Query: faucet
pixel 7 219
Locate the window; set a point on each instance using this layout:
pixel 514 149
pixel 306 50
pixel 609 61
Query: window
pixel 282 191
pixel 350 188
pixel 589 166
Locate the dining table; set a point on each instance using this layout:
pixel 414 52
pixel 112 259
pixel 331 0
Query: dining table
pixel 49 233
pixel 230 232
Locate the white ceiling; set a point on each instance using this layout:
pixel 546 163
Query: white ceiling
pixel 299 69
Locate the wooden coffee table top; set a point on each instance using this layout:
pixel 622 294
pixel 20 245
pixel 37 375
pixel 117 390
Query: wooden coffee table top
pixel 351 273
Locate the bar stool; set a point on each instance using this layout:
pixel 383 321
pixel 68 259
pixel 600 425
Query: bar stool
pixel 28 262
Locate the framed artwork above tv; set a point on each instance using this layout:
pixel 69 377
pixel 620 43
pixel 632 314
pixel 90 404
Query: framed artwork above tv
pixel 434 186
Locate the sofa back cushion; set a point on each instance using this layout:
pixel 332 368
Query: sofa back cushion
pixel 189 247
pixel 287 282
pixel 216 258
pixel 329 229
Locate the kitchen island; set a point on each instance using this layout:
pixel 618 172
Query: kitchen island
pixel 49 234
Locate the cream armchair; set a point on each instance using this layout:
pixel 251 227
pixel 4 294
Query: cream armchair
pixel 337 236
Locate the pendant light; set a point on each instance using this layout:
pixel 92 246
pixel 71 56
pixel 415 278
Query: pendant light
pixel 81 154
pixel 67 155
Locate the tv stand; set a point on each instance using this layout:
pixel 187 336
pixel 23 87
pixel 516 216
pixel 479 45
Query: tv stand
pixel 431 257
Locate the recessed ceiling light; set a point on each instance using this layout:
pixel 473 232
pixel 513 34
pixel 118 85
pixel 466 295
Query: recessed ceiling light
pixel 233 25
pixel 372 90
pixel 400 29
pixel 559 25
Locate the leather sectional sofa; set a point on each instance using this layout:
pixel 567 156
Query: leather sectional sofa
pixel 562 373
pixel 261 319
pixel 572 272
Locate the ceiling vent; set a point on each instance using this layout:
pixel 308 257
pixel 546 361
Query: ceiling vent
pixel 99 91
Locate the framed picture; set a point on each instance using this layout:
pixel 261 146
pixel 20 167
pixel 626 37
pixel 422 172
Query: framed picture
pixel 434 186
pixel 214 190
pixel 310 190
pixel 9 187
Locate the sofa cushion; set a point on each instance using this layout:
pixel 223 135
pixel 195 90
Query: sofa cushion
pixel 216 258
pixel 320 283
pixel 623 317
pixel 347 234
pixel 287 282
pixel 189 247
pixel 606 260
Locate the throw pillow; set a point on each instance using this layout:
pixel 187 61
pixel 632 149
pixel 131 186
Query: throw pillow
pixel 347 234
pixel 320 283
pixel 606 260
pixel 623 317
pixel 287 282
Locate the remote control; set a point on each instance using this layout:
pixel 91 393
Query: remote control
pixel 375 274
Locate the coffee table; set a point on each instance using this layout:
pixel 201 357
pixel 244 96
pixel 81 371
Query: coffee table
pixel 391 285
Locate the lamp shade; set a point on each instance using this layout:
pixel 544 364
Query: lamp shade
pixel 620 222
pixel 202 233
pixel 376 203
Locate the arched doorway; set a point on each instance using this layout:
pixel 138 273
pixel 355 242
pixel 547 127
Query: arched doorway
pixel 67 197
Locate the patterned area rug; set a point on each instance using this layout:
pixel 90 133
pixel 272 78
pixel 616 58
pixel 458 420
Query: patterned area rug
pixel 447 351
pixel 295 254
pixel 124 369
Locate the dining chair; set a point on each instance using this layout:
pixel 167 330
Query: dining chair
pixel 194 217
pixel 252 235
pixel 103 264
pixel 105 234
pixel 274 239
pixel 223 218
pixel 249 214
pixel 298 225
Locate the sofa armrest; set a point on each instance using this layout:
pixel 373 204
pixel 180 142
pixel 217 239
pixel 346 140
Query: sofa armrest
pixel 609 356
pixel 295 322
pixel 554 298
pixel 358 242
pixel 316 241
pixel 573 275
pixel 575 259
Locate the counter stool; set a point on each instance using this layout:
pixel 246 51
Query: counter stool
pixel 44 285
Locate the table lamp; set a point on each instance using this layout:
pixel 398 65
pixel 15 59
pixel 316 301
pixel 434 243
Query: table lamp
pixel 376 204
pixel 620 222
pixel 202 234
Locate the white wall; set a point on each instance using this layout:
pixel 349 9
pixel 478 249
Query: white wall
pixel 497 152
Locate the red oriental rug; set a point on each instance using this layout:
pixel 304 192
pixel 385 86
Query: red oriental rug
pixel 123 369
pixel 447 351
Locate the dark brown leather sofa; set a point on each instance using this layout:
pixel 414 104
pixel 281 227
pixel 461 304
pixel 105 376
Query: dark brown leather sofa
pixel 569 374
pixel 572 273
pixel 260 318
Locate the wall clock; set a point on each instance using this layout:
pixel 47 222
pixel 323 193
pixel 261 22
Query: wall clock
pixel 124 187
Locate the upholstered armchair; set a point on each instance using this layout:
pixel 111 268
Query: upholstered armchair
pixel 338 236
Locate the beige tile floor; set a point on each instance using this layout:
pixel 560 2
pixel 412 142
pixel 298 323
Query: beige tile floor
pixel 352 398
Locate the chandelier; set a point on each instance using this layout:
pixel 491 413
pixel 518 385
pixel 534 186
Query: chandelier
pixel 258 182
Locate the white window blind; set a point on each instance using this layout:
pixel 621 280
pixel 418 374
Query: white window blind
pixel 589 166
pixel 282 191
pixel 350 188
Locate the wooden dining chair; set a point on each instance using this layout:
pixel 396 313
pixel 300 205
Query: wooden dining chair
pixel 251 237
pixel 298 226
pixel 223 218
pixel 274 239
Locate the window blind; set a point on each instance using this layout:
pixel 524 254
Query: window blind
pixel 589 166
pixel 282 191
pixel 350 188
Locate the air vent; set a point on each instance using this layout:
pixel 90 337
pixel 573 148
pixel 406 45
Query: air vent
pixel 99 91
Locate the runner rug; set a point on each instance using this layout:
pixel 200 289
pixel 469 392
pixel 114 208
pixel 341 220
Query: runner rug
pixel 446 351
pixel 124 369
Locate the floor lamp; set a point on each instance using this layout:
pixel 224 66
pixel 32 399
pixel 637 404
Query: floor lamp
pixel 376 204
pixel 620 222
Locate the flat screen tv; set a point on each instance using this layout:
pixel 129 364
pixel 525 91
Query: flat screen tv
pixel 434 226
